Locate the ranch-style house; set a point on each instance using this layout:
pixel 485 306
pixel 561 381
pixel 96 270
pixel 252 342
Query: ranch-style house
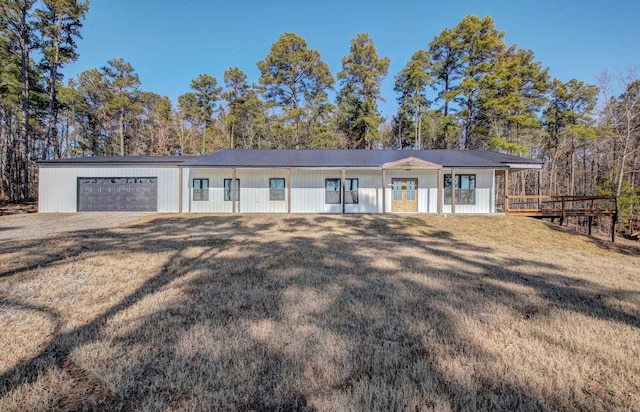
pixel 281 181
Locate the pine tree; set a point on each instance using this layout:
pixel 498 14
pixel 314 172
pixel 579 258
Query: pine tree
pixel 412 84
pixel 294 81
pixel 361 76
pixel 59 23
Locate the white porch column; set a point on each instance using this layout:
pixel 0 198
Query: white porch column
pixel 439 194
pixel 342 189
pixel 384 191
pixel 453 191
pixel 289 190
pixel 233 190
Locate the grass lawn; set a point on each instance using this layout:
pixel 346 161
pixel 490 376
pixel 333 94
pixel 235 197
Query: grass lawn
pixel 316 312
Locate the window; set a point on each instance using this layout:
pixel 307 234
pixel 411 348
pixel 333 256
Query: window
pixel 332 191
pixel 200 189
pixel 411 189
pixel 465 189
pixel 351 191
pixel 276 189
pixel 228 191
pixel 397 189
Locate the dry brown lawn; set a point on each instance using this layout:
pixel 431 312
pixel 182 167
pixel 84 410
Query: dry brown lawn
pixel 314 312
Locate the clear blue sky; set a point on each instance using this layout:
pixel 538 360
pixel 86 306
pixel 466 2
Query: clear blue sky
pixel 169 42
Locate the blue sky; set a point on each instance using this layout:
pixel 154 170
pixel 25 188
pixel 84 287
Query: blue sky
pixel 169 42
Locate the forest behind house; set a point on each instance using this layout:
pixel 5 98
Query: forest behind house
pixel 466 89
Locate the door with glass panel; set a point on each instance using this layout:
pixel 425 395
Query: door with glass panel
pixel 404 196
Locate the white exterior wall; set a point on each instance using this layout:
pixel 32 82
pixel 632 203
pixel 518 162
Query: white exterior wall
pixel 254 188
pixel 308 188
pixel 369 191
pixel 484 192
pixel 308 191
pixel 216 202
pixel 254 191
pixel 58 185
pixel 427 188
pixel 58 189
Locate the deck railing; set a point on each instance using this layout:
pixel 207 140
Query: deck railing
pixel 564 206
pixel 561 206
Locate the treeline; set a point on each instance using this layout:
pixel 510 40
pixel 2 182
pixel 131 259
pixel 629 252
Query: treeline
pixel 467 89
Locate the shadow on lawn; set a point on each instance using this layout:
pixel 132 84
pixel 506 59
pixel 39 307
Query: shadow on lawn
pixel 606 244
pixel 394 326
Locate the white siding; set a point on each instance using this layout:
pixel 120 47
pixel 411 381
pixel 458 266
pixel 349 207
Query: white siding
pixel 254 191
pixel 58 185
pixel 484 192
pixel 216 202
pixel 308 191
pixel 369 191
pixel 254 188
pixel 427 188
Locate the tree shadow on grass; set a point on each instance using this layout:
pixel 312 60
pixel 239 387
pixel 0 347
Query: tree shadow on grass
pixel 629 250
pixel 267 316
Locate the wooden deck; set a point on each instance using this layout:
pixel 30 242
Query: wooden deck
pixel 561 207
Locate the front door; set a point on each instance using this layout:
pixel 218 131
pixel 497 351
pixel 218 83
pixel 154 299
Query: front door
pixel 405 195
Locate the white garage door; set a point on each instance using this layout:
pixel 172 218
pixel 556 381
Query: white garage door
pixel 109 194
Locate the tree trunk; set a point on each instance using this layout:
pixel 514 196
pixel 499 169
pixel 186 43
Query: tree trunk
pixel 52 115
pixel 24 127
pixel 121 127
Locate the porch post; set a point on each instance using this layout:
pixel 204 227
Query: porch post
pixel 384 191
pixel 506 190
pixel 539 191
pixel 453 191
pixel 233 190
pixel 289 190
pixel 439 194
pixel 342 190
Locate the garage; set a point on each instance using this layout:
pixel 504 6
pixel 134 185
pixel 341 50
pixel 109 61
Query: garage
pixel 112 194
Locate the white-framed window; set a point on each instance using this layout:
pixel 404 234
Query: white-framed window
pixel 200 189
pixel 228 191
pixel 465 189
pixel 276 188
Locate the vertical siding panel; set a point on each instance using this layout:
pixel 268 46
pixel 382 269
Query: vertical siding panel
pixel 59 184
pixel 58 189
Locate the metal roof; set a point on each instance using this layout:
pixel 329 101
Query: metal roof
pixel 252 158
pixel 256 158
pixel 120 160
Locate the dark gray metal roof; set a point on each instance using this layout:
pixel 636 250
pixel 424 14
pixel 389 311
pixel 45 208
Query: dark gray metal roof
pixel 250 158
pixel 505 158
pixel 113 160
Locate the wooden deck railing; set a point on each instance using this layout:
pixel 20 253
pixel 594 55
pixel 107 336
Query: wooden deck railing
pixel 564 206
pixel 561 206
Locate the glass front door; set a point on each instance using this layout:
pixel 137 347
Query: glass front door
pixel 405 195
